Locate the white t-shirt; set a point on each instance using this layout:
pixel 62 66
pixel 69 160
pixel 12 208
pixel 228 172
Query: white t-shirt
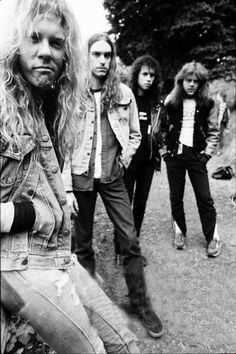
pixel 186 134
pixel 98 155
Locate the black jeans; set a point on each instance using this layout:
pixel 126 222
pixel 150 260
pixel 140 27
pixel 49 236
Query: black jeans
pixel 197 171
pixel 116 202
pixel 138 180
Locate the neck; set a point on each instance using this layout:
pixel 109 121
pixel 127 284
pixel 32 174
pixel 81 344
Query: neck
pixel 140 92
pixel 96 83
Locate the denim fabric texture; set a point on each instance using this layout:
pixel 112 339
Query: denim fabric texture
pixel 67 302
pixel 123 120
pixel 31 175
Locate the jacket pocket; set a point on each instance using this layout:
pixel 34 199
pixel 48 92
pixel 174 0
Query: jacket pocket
pixel 14 164
pixel 122 109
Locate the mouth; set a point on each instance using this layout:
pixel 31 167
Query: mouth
pixel 43 69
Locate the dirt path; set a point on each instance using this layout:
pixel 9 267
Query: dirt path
pixel 194 296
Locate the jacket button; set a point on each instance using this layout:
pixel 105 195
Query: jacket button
pixel 63 201
pixel 54 169
pixel 45 138
pixel 67 260
pixel 25 261
pixel 30 192
pixel 66 232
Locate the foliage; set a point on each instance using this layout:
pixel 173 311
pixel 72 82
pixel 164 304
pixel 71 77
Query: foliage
pixel 176 32
pixel 23 339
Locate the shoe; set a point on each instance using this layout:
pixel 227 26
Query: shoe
pixel 214 248
pixel 150 321
pixel 179 241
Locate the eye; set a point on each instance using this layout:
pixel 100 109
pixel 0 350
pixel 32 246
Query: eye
pixel 57 43
pixel 96 54
pixel 34 37
pixel 107 55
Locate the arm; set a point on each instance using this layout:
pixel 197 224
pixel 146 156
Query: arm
pixel 67 181
pixel 213 134
pixel 17 217
pixel 164 129
pixel 134 133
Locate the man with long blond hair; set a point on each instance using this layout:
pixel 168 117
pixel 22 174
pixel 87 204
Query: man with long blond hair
pixel 39 95
pixel 191 134
pixel 109 135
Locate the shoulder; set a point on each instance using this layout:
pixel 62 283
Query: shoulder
pixel 125 90
pixel 167 100
pixel 209 103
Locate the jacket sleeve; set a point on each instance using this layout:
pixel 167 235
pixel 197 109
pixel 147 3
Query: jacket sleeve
pixel 134 133
pixel 164 128
pixel 66 176
pixel 213 134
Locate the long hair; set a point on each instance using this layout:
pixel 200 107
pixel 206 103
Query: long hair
pixel 19 110
pixel 154 93
pixel 110 91
pixel 177 94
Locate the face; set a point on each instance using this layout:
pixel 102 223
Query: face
pixel 42 54
pixel 100 59
pixel 190 85
pixel 146 77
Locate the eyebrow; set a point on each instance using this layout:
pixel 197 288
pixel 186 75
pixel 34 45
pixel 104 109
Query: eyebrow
pixel 100 52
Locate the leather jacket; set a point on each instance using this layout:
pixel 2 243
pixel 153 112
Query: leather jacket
pixel 155 139
pixel 206 128
pixel 32 174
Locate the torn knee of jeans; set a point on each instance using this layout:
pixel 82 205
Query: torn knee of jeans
pixel 75 295
pixel 60 283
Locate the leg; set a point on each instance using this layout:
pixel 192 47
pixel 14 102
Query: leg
pixel 116 201
pixel 105 316
pixel 129 180
pixel 46 299
pixel 84 229
pixel 199 178
pixel 176 171
pixel 143 184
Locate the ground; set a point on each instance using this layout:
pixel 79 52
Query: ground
pixel 194 296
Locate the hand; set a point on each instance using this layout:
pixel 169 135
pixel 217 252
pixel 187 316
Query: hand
pixel 166 156
pixel 204 158
pixel 73 204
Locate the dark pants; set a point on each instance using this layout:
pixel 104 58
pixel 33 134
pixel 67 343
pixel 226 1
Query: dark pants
pixel 197 171
pixel 138 180
pixel 116 202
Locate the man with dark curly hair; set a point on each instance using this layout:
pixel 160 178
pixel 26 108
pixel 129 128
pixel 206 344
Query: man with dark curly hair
pixel 145 82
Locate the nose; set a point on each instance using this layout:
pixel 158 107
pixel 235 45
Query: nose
pixel 102 59
pixel 44 49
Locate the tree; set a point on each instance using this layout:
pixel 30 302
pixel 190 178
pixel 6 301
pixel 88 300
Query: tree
pixel 175 32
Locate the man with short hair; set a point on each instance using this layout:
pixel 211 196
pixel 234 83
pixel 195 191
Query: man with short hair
pixel 109 135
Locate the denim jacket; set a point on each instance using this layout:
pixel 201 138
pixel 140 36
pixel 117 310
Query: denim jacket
pixel 123 118
pixel 32 174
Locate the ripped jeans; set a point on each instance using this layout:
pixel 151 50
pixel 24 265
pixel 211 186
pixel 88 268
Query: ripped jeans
pixel 68 309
